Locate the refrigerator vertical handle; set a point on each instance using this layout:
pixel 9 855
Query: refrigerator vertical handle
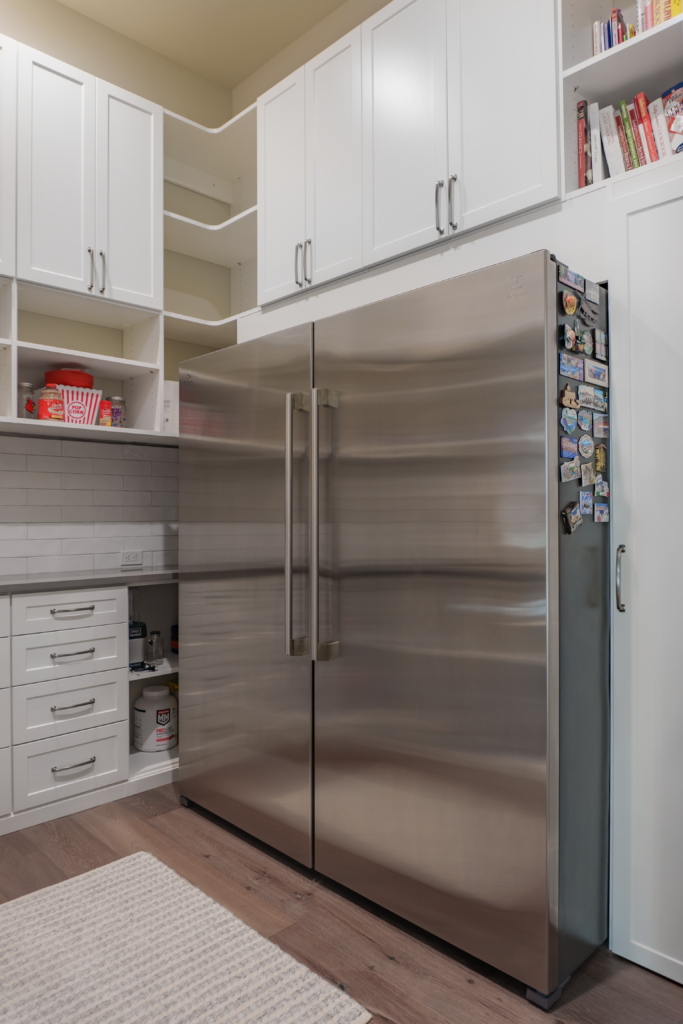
pixel 621 607
pixel 330 649
pixel 293 647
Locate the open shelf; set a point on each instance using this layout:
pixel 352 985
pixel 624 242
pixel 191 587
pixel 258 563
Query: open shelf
pixel 212 333
pixel 226 244
pixel 36 298
pixel 76 432
pixel 46 357
pixel 157 762
pixel 168 668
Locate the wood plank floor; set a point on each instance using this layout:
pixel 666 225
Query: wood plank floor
pixel 400 974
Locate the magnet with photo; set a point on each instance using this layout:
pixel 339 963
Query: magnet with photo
pixel 601 458
pixel 596 373
pixel 588 313
pixel 592 398
pixel 568 277
pixel 600 424
pixel 570 303
pixel 585 421
pixel 601 487
pixel 568 397
pixel 600 513
pixel 600 345
pixel 586 503
pixel 570 470
pixel 569 337
pixel 592 292
pixel 570 366
pixel 587 474
pixel 584 342
pixel 568 448
pixel 568 420
pixel 586 446
pixel 571 517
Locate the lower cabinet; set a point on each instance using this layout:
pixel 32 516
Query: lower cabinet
pixel 41 710
pixel 65 766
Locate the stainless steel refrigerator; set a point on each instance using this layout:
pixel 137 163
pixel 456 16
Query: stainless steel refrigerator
pixel 394 657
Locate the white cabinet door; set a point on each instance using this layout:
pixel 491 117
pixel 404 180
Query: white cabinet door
pixel 56 172
pixel 646 347
pixel 280 115
pixel 8 154
pixel 404 127
pixel 502 108
pixel 129 198
pixel 334 183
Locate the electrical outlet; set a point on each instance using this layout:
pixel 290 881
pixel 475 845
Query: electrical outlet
pixel 131 558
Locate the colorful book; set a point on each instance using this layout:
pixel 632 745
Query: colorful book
pixel 623 140
pixel 628 132
pixel 583 145
pixel 649 15
pixel 658 10
pixel 660 128
pixel 596 144
pixel 614 26
pixel 676 7
pixel 639 141
pixel 641 104
pixel 667 9
pixel 610 142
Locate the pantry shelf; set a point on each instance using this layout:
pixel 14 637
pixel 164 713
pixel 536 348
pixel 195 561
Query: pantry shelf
pixel 47 357
pixel 88 309
pixel 219 155
pixel 142 764
pixel 213 333
pixel 226 244
pixel 167 668
pixel 76 432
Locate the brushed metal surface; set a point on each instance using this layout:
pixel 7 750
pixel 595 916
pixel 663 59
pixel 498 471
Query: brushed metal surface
pixel 432 792
pixel 245 706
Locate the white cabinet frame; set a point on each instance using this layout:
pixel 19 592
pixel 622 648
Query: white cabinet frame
pixel 8 155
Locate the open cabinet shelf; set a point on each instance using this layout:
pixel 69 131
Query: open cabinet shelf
pixel 227 244
pixel 143 764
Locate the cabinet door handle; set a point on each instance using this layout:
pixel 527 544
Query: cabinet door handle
pixel 297 249
pixel 104 271
pixel 72 654
pixel 308 247
pixel 81 764
pixel 60 611
pixel 68 707
pixel 621 607
pixel 437 206
pixel 451 181
pixel 92 268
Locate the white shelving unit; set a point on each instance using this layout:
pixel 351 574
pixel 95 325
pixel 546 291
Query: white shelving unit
pixel 168 668
pixel 651 63
pixel 144 765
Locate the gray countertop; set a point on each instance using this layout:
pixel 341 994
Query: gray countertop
pixel 26 584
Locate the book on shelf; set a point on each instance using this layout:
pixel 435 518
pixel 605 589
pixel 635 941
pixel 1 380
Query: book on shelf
pixel 584 145
pixel 643 115
pixel 628 134
pixel 660 128
pixel 610 142
pixel 649 13
pixel 596 142
pixel 623 142
pixel 637 138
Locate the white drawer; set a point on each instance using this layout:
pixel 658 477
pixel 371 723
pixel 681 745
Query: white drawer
pixel 4 615
pixel 54 708
pixel 84 761
pixel 69 652
pixel 5 719
pixel 5 673
pixel 68 609
pixel 5 781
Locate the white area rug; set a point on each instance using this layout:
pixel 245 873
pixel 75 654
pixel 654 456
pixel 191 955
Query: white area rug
pixel 133 943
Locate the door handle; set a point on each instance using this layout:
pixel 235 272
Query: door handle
pixel 69 707
pixel 72 654
pixel 297 248
pixel 451 181
pixel 85 608
pixel 319 651
pixel 92 268
pixel 308 247
pixel 299 646
pixel 81 764
pixel 104 271
pixel 437 206
pixel 621 607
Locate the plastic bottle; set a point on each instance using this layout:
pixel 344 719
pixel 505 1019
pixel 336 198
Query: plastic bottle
pixel 155 719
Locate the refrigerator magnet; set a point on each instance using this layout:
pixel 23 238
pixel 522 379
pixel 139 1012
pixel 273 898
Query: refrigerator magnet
pixel 601 458
pixel 587 474
pixel 592 398
pixel 568 420
pixel 571 517
pixel 568 398
pixel 568 448
pixel 593 292
pixel 596 373
pixel 570 303
pixel 600 425
pixel 588 313
pixel 601 513
pixel 570 366
pixel 570 470
pixel 584 342
pixel 586 446
pixel 600 345
pixel 585 421
pixel 601 487
pixel 586 503
pixel 569 337
pixel 567 276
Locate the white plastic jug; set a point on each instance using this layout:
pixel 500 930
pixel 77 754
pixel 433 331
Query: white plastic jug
pixel 155 719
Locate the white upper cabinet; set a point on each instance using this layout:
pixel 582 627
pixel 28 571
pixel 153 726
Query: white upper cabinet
pixel 56 173
pixel 8 153
pixel 503 164
pixel 129 203
pixel 404 127
pixel 334 195
pixel 281 131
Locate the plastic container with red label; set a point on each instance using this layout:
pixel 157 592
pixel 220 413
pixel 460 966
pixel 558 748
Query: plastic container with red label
pixel 105 413
pixel 50 404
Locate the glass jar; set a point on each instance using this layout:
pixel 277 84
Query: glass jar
pixel 118 410
pixel 50 404
pixel 155 649
pixel 26 403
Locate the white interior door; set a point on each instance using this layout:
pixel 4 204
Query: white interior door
pixel 129 197
pixel 281 135
pixel 8 153
pixel 404 127
pixel 647 759
pixel 502 108
pixel 56 172
pixel 334 182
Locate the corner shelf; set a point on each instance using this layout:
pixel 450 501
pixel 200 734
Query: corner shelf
pixel 227 244
pixel 212 333
pixel 143 764
pixel 168 668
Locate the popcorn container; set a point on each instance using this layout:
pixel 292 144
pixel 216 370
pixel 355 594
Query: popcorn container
pixel 80 404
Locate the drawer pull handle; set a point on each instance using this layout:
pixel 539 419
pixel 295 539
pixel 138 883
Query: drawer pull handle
pixel 72 654
pixel 81 764
pixel 85 704
pixel 59 611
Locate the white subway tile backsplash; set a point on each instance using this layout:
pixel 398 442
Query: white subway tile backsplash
pixel 147 543
pixel 60 563
pixel 59 531
pixel 11 478
pixel 164 529
pixel 164 498
pixel 56 497
pixel 13 496
pixel 30 514
pixel 165 469
pixel 24 548
pixel 108 561
pixel 90 514
pixel 139 530
pixel 137 483
pixel 17 462
pixel 165 483
pixel 58 464
pixel 29 446
pixel 121 466
pixel 165 559
pixel 123 498
pixel 94 481
pixel 13 566
pixel 91 449
pixel 156 453
pixel 150 515
pixel 91 546
pixel 14 531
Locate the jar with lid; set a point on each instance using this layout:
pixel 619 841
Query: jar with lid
pixel 50 403
pixel 155 649
pixel 155 719
pixel 118 410
pixel 26 403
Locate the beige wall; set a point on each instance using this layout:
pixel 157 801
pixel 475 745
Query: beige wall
pixel 60 32
pixel 326 32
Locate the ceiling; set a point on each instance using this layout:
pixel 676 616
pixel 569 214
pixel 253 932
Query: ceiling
pixel 222 40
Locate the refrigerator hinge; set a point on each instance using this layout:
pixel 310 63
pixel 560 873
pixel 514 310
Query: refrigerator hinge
pixel 328 397
pixel 328 651
pixel 301 401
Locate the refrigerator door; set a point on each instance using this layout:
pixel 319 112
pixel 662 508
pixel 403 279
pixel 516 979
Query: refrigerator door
pixel 434 793
pixel 245 702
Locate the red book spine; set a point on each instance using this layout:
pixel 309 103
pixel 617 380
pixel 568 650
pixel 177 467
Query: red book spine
pixel 623 143
pixel 615 26
pixel 581 122
pixel 636 136
pixel 641 105
pixel 620 33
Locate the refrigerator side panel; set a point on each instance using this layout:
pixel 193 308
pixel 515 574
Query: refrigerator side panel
pixel 245 704
pixel 431 791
